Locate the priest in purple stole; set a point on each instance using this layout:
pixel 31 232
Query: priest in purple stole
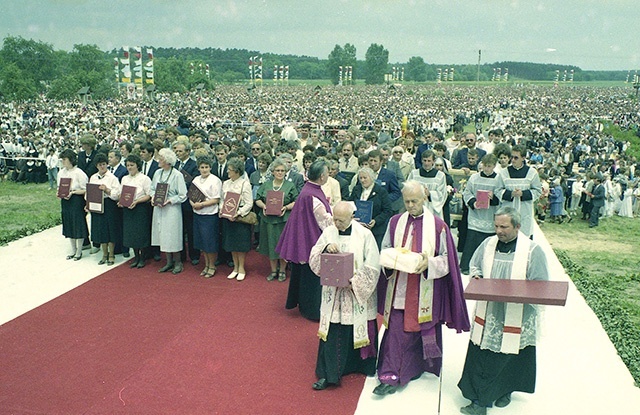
pixel 415 306
pixel 310 215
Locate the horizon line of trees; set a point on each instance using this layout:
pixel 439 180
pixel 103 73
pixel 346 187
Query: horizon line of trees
pixel 29 68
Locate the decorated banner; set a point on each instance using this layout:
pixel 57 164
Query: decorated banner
pixel 282 73
pixel 571 76
pixel 137 68
pixel 402 74
pixel 451 75
pixel 339 75
pixel 564 77
pixel 286 73
pixel 445 75
pixel 208 72
pixel 506 75
pixel 439 78
pixel 148 67
pixel 116 69
pixel 259 70
pixel 350 74
pixel 126 65
pixel 275 74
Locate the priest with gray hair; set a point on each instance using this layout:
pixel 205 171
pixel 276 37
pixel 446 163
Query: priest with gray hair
pixel 348 331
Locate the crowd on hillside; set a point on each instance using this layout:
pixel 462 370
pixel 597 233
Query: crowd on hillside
pixel 351 128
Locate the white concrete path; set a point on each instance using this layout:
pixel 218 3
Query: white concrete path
pixel 579 371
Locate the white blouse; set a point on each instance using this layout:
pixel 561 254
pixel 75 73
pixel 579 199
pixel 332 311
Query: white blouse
pixel 141 182
pixel 110 181
pixel 212 189
pixel 243 188
pixel 78 178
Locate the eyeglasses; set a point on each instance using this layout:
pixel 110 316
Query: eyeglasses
pixel 255 149
pixel 279 171
pixel 515 157
pixel 398 152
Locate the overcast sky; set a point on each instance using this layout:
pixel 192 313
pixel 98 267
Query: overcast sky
pixel 599 35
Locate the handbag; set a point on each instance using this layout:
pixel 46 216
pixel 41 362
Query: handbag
pixel 250 219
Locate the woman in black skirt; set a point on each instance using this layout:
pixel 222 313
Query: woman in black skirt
pixel 74 224
pixel 236 236
pixel 106 227
pixel 136 218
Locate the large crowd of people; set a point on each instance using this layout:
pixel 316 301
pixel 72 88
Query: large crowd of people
pixel 459 156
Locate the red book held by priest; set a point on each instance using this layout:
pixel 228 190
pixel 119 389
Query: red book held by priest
pixel 336 269
pixel 482 199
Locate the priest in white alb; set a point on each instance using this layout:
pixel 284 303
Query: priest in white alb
pixel 501 356
pixel 348 331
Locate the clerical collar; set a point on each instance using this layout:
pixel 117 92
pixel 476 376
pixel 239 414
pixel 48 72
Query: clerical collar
pixel 345 232
pixel 507 247
pixel 411 217
pixel 519 168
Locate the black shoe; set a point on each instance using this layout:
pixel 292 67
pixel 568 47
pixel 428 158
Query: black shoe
pixel 126 254
pixel 141 264
pixel 168 267
pixel 384 389
pixel 195 261
pixel 218 262
pixel 473 409
pixel 157 257
pixel 134 264
pixel 503 401
pixel 321 384
pixel 230 264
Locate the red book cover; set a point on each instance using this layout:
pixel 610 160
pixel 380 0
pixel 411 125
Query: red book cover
pixel 95 198
pixel 518 291
pixel 127 196
pixel 64 188
pixel 160 195
pixel 336 269
pixel 482 199
pixel 195 194
pixel 274 202
pixel 230 205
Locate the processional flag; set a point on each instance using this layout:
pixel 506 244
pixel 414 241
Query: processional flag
pixel 148 67
pixel 126 65
pixel 137 69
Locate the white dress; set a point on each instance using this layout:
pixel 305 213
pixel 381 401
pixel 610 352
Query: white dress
pixel 166 225
pixel 626 207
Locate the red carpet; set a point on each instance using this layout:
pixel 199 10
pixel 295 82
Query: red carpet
pixel 140 342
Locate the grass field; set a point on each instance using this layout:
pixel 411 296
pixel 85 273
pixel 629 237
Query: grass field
pixel 26 209
pixel 604 264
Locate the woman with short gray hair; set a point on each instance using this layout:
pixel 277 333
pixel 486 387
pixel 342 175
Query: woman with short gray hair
pixel 166 225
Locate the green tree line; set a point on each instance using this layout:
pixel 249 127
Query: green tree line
pixel 30 68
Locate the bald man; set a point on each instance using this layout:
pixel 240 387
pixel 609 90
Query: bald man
pixel 348 331
pixel 416 305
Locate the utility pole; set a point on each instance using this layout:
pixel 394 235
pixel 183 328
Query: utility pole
pixel 479 56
